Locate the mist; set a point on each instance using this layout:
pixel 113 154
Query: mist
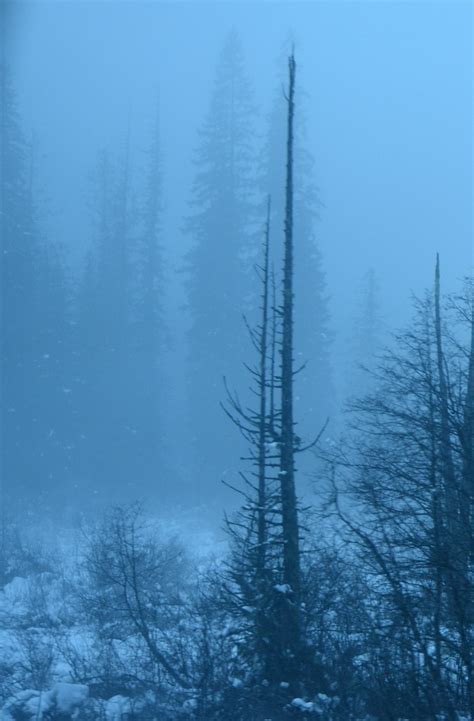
pixel 183 283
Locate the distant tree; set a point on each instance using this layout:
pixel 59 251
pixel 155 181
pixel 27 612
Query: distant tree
pixel 107 445
pixel 365 336
pixel 89 336
pixel 218 284
pixel 149 327
pixel 120 335
pixel 149 304
pixel 35 323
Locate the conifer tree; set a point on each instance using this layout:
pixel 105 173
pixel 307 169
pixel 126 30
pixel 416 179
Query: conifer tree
pixel 120 335
pixel 149 328
pixel 218 284
pixel 36 410
pixel 365 339
pixel 105 317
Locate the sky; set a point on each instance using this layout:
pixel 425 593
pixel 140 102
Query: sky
pixel 389 116
pixel 388 108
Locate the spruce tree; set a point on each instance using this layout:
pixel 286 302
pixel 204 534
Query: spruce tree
pixel 149 331
pixel 120 330
pixel 365 337
pixel 36 409
pixel 105 336
pixel 218 284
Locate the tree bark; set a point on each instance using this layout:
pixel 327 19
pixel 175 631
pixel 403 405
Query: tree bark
pixel 291 549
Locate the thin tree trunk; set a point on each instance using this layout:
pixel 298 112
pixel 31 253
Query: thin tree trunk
pixel 273 344
pixel 467 518
pixel 445 441
pixel 262 430
pixel 291 549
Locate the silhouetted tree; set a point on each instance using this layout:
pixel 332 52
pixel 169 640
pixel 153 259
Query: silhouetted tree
pixel 149 328
pixel 403 468
pixel 315 393
pixel 120 334
pixel 105 335
pixel 263 588
pixel 296 658
pixel 218 284
pixel 36 414
pixel 365 335
pixel 254 567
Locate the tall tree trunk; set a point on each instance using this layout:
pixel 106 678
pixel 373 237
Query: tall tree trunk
pixel 468 425
pixel 291 548
pixel 436 510
pixel 458 540
pixel 291 607
pixel 467 517
pixel 263 421
pixel 447 466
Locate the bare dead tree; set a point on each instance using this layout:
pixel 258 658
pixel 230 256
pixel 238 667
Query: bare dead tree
pixel 255 565
pixel 133 588
pixel 393 466
pixel 266 563
pixel 291 540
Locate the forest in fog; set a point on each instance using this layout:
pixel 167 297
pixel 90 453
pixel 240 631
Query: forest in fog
pixel 237 361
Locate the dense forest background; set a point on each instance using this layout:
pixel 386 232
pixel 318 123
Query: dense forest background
pixel 237 388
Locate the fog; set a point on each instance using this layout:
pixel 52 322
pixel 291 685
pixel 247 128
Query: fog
pixel 386 98
pixel 387 106
pixel 237 348
pixel 388 111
